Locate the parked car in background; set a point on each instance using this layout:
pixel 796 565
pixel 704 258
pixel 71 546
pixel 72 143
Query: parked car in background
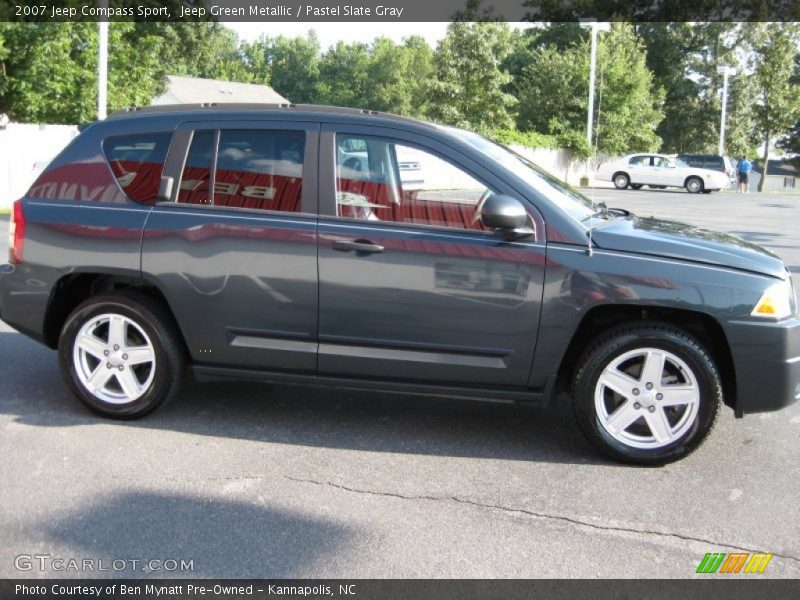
pixel 714 162
pixel 282 243
pixel 660 171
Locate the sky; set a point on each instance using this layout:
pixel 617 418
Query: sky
pixel 330 33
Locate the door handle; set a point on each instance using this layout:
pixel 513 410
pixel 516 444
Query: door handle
pixel 357 246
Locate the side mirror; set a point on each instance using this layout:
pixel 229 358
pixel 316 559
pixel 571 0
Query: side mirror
pixel 506 215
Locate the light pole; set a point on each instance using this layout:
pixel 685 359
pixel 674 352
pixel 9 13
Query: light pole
pixel 724 70
pixel 594 26
pixel 102 64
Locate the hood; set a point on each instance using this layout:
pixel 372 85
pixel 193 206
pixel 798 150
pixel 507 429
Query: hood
pixel 673 239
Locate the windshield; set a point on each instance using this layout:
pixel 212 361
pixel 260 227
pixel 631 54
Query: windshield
pixel 679 163
pixel 578 206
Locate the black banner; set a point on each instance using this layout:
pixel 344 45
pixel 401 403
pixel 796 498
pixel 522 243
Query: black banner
pixel 400 10
pixel 372 589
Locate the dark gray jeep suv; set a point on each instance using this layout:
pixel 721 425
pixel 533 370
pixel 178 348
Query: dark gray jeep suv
pixel 286 243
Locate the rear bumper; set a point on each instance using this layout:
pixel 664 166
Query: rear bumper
pixel 23 301
pixel 766 357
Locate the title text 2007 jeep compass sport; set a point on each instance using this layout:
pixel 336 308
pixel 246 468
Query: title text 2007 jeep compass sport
pixel 349 247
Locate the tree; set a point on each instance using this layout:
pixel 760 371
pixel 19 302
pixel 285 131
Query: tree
pixel 467 89
pixel 398 76
pixel 49 73
pixel 343 75
pixel 773 60
pixel 49 70
pixel 554 90
pixel 628 104
pixel 289 65
pixel 791 142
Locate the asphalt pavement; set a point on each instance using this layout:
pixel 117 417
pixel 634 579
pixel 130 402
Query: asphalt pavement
pixel 259 480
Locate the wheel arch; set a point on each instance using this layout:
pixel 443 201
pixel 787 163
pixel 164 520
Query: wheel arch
pixel 75 288
pixel 704 327
pixel 690 177
pixel 621 172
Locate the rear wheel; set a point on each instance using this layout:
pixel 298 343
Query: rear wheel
pixel 646 394
pixel 621 180
pixel 121 355
pixel 694 185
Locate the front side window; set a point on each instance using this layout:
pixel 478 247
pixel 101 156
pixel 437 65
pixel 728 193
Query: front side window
pixel 245 168
pixel 663 162
pixel 137 162
pixel 381 180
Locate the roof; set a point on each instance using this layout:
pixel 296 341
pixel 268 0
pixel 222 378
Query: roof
pixel 199 111
pixel 779 168
pixel 194 90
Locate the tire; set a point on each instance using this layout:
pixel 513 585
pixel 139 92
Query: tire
pixel 619 425
pixel 694 185
pixel 636 186
pixel 621 180
pixel 147 331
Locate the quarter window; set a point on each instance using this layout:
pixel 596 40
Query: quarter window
pixel 137 162
pixel 260 169
pixel 380 180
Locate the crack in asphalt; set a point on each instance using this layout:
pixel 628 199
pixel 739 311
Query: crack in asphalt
pixel 539 515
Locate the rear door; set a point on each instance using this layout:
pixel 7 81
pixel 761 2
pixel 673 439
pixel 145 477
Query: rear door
pixel 411 288
pixel 234 251
pixel 639 169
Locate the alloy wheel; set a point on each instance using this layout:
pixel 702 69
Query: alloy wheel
pixel 114 359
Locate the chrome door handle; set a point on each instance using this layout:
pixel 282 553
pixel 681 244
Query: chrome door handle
pixel 357 246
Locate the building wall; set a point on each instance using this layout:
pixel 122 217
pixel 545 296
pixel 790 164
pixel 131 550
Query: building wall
pixel 25 150
pixel 779 183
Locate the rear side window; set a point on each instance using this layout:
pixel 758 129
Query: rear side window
pixel 137 162
pixel 245 168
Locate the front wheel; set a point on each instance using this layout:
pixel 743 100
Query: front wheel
pixel 646 394
pixel 120 354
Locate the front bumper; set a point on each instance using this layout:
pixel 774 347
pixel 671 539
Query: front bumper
pixel 766 358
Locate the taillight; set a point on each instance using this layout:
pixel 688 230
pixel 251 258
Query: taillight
pixel 16 233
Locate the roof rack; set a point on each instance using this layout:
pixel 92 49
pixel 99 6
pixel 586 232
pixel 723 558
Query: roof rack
pixel 233 106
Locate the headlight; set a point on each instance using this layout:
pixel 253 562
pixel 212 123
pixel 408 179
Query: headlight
pixel 777 302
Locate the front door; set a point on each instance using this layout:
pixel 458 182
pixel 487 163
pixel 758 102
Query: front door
pixel 411 287
pixel 235 251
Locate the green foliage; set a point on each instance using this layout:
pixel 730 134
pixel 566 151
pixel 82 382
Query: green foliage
pixel 49 70
pixel 554 90
pixel 529 139
pixel 628 107
pixel 778 107
pixel 343 75
pixel 289 65
pixel 467 89
pixel 398 75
